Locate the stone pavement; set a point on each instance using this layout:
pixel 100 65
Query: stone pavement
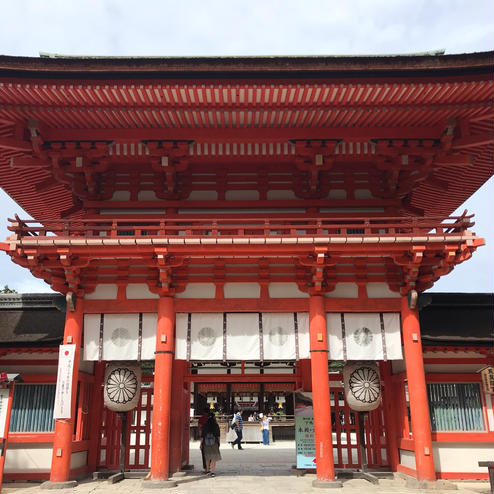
pixel 255 470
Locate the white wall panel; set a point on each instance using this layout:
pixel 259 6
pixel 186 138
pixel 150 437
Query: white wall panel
pixel 103 292
pixel 139 291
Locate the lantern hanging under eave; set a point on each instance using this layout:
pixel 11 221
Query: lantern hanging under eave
pixel 362 386
pixel 122 386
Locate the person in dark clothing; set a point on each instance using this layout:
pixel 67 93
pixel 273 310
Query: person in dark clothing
pixel 210 444
pixel 238 425
pixel 201 422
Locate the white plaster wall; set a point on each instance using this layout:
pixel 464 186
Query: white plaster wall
pixel 78 460
pixel 103 292
pixel 121 195
pixel 407 459
pixel 242 195
pixel 286 290
pixel 27 457
pixel 280 195
pixel 114 212
pixel 198 290
pixel 337 194
pixel 461 457
pixel 343 290
pixel 139 291
pixel 240 210
pixel 380 290
pixel 241 290
pixel 203 195
pixel 146 195
pixel 363 194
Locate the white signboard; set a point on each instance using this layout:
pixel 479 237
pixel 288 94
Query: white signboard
pixel 4 403
pixel 63 394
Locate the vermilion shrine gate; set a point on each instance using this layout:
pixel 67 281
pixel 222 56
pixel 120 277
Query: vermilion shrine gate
pixel 164 191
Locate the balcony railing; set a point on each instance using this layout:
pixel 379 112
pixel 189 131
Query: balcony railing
pixel 243 227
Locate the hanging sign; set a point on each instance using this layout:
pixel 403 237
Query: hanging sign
pixel 4 404
pixel 362 386
pixel 488 380
pixel 304 431
pixel 122 386
pixel 63 393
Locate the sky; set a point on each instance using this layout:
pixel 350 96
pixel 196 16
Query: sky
pixel 255 27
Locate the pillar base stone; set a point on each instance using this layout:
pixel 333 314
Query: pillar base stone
pixel 327 484
pixel 68 484
pixel 159 484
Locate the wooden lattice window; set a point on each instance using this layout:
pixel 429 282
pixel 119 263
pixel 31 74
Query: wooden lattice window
pixel 455 407
pixel 32 408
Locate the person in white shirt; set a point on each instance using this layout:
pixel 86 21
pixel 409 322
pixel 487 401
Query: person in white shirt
pixel 265 429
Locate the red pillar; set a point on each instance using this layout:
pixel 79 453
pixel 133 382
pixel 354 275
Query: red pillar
pixel 417 391
pixel 176 416
pixel 320 389
pixel 160 452
pixel 390 416
pixel 64 428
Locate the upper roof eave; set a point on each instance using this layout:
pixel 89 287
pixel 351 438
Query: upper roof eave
pixel 276 66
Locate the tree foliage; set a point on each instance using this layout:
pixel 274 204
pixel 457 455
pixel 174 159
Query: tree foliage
pixel 6 289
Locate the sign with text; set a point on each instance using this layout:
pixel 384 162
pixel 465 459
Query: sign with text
pixel 488 380
pixel 63 394
pixel 304 430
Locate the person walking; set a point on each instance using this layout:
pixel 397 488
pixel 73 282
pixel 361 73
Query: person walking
pixel 265 429
pixel 200 423
pixel 238 425
pixel 210 444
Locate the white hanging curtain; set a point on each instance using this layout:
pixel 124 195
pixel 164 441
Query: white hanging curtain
pixel 303 335
pixel 181 336
pixel 206 336
pixel 91 336
pixel 278 336
pixel 243 336
pixel 364 336
pixel 148 343
pixel 120 336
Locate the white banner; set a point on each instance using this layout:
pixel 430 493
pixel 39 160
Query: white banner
pixel 91 336
pixel 181 336
pixel 243 336
pixel 278 335
pixel 148 344
pixel 364 336
pixel 303 335
pixel 120 336
pixel 63 393
pixel 206 336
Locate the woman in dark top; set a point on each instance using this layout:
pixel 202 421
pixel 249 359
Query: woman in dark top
pixel 210 443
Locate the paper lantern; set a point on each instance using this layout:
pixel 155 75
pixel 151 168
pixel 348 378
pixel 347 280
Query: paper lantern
pixel 362 386
pixel 122 386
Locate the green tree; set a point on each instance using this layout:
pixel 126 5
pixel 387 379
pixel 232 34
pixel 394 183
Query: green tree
pixel 6 289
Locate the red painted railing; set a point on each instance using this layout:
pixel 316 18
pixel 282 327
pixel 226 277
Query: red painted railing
pixel 242 227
